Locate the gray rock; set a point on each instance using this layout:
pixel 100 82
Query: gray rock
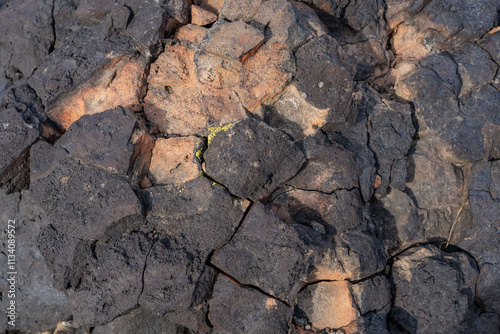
pixel 319 76
pixel 39 306
pixel 491 43
pixel 372 294
pixel 140 321
pixel 102 139
pixel 482 238
pixel 24 99
pixel 26 28
pixel 329 166
pixel 251 158
pixel 233 10
pixel 240 309
pixel 111 282
pixel 15 137
pixel 434 291
pixel 391 132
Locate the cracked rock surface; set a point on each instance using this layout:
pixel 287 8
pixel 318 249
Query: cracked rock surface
pixel 231 167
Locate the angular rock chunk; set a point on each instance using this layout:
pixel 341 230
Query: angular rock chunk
pixel 442 188
pixel 201 16
pixel 75 62
pixel 462 130
pixel 251 159
pixel 279 257
pixel 102 139
pixel 39 305
pixel 182 100
pixel 15 137
pixel 434 291
pixel 139 321
pixel 81 202
pixel 325 84
pixel 236 10
pixel 424 31
pixel 329 167
pixel 25 35
pixel 483 236
pixel 287 23
pixel 239 309
pixel 174 160
pixel 116 84
pixel 391 133
pixel 191 33
pixel 24 99
pixel 193 219
pixel 267 253
pixel 111 282
pixel 328 304
pixel 491 43
pixel 330 214
pixel 232 40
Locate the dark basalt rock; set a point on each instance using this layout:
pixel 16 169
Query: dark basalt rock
pixel 251 159
pixel 239 309
pixel 111 282
pixel 424 274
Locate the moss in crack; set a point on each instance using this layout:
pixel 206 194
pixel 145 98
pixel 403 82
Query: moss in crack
pixel 216 129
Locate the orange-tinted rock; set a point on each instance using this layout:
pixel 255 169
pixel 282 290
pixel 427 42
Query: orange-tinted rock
pixel 212 5
pixel 174 160
pixel 265 75
pixel 233 40
pixel 191 33
pixel 182 99
pixel 328 304
pixel 201 16
pixel 116 84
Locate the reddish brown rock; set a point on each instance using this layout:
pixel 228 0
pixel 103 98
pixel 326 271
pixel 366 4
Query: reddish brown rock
pixel 191 33
pixel 174 160
pixel 201 16
pixel 328 304
pixel 232 40
pixel 214 6
pixel 117 84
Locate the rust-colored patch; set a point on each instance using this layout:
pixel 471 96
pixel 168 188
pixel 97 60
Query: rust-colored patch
pixel 378 181
pixel 271 303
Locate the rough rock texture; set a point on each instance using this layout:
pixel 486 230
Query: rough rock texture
pixel 232 167
pixel 424 274
pixel 251 158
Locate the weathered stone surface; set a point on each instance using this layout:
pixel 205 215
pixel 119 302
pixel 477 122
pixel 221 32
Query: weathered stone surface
pixel 102 139
pixel 139 321
pixel 201 16
pixel 491 43
pixel 174 160
pixel 422 274
pixel 212 5
pixel 251 159
pixel 98 200
pixel 176 276
pixel 391 132
pixel 75 62
pixel 330 213
pixel 442 188
pixel 232 40
pixel 429 25
pixel 111 282
pixel 39 306
pixel 474 67
pixel 117 84
pixel 15 137
pixel 483 236
pixel 371 295
pixel 319 77
pixel 234 10
pixel 329 166
pixel 328 304
pixel 179 101
pixel 26 36
pixel 268 254
pixel 368 59
pixel 287 23
pixel 191 33
pixel 24 99
pixel 239 309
